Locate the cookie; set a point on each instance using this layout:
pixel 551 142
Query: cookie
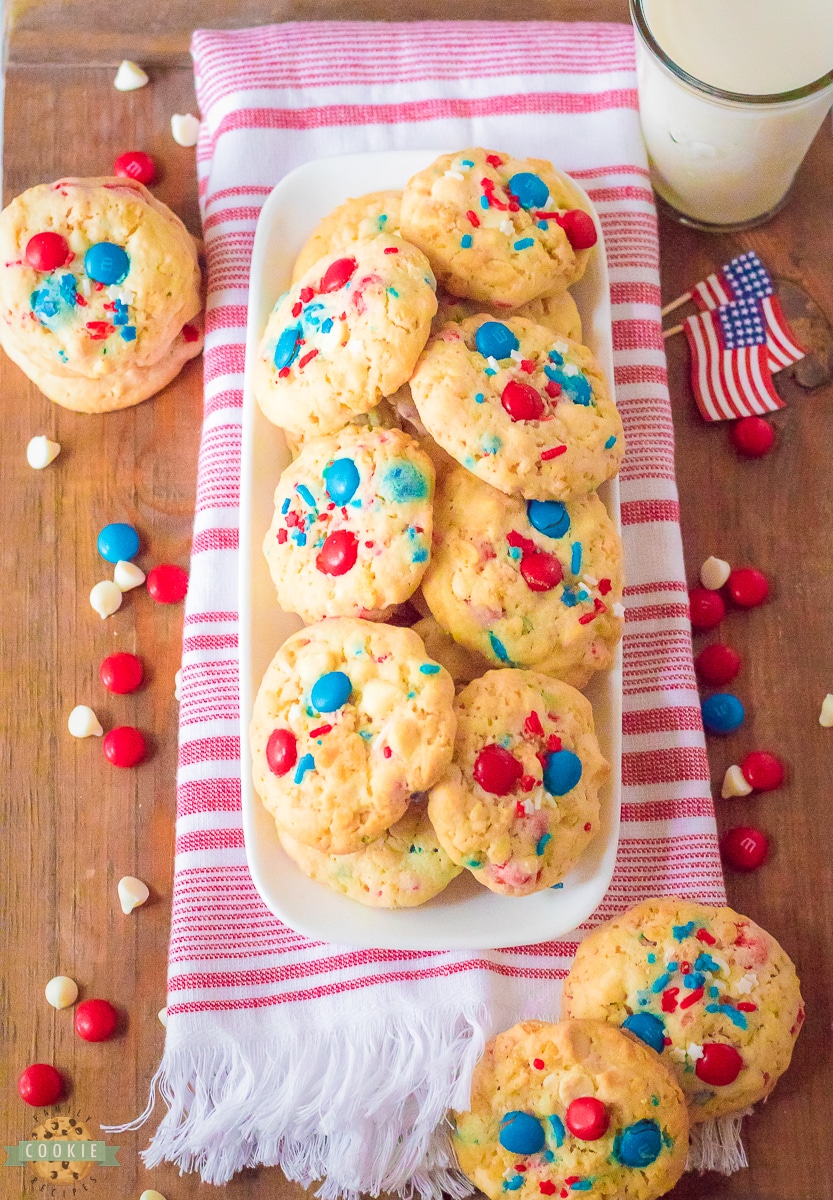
pixel 520 803
pixel 577 1107
pixel 708 989
pixel 462 665
pixel 351 535
pixel 346 334
pixel 100 292
pixel 558 313
pixel 351 719
pixel 524 411
pixel 405 867
pixel 526 583
pixel 383 416
pixel 498 229
pixel 354 221
pixel 64 1129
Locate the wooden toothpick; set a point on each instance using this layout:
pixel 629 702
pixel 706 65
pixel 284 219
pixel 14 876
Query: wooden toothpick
pixel 667 333
pixel 676 303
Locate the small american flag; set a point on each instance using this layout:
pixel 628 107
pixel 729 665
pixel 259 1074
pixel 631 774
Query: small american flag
pixel 746 277
pixel 729 371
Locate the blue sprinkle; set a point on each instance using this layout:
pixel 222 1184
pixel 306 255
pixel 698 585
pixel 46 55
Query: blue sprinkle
pixel 299 537
pixel 466 240
pixel 714 991
pixel 479 398
pixel 484 201
pixel 548 1156
pixel 543 224
pixel 498 648
pixel 523 244
pixel 672 966
pixel 327 325
pixel 285 506
pixel 382 218
pixel 512 1185
pixel 652 958
pixel 128 333
pixel 491 444
pixel 365 735
pixel 64 357
pixel 515 552
pixel 555 886
pixel 611 441
pixel 403 481
pixel 305 494
pixel 466 162
pixel 393 292
pixel 581 1185
pixel 556 1124
pixel 583 595
pixel 68 292
pixel 737 1018
pixel 660 984
pixel 429 669
pixel 307 763
pixel 43 305
pixel 420 555
pixel 575 558
pixel 490 371
pixel 569 598
pixel 542 843
pixel 556 356
pixel 681 932
pixel 692 982
pixel 705 962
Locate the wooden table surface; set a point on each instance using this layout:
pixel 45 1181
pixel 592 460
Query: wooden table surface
pixel 73 825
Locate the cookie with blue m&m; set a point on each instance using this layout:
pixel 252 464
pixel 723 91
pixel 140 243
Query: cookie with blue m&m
pixel 524 410
pixel 351 534
pixel 101 292
pixel 356 220
pixel 711 992
pixel 520 802
pixel 351 719
pixel 558 313
pixel 571 1108
pixel 345 335
pixel 498 229
pixel 526 583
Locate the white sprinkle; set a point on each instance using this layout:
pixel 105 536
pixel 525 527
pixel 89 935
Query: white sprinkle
pixel 106 598
pixel 129 77
pixel 734 783
pixel 694 1051
pixel 185 129
pixel 126 575
pixel 83 284
pixel 826 714
pixel 507 227
pixel 677 1053
pixel 618 609
pixel 745 985
pixel 493 363
pixel 178 685
pixel 127 296
pixel 163 1016
pixel 41 452
pixel 83 722
pixel 561 347
pixel 453 175
pixel 570 369
pixel 132 893
pixel 714 573
pixel 590 579
pixel 61 991
pixel 516 356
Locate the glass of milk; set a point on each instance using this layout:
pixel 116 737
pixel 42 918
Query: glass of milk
pixel 731 94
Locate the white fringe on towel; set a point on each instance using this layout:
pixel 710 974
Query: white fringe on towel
pixel 716 1146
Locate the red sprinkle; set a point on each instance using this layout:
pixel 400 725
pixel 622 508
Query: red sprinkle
pixel 99 330
pixel 387 752
pixel 167 583
pixel 338 273
pixel 546 1187
pixel 338 554
pixel 685 968
pixel 47 251
pixel 39 1085
pixel 296 308
pixel 284 371
pixel 705 937
pixel 692 998
pixel 669 999
pixel 541 571
pixel 538 1064
pixel 519 542
pixel 527 365
pixel 302 362
pixel 522 401
pixel 587 827
pixel 135 164
pixel 121 673
pixel 533 725
pixel 306 294
pixel 528 783
pixel 473 217
pixel 553 452
pixel 553 389
pixel 494 160
pixel 95 1020
pixel 604 586
pixel 553 743
pixel 281 751
pixel 520 807
pixel 282 536
pixel 80 301
pixel 586 618
pixel 391 249
pixel 124 746
pixel 497 770
pixel 320 731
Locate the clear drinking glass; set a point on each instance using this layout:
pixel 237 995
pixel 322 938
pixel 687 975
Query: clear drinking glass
pixel 721 160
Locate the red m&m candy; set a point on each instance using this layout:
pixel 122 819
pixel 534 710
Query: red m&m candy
pixel 497 770
pixel 752 437
pixel 541 571
pixel 748 587
pixel 281 751
pixel 762 770
pixel 522 401
pixel 121 673
pixel 587 1118
pixel 744 848
pixel 135 164
pixel 338 554
pixel 40 1085
pixel 167 583
pixel 95 1020
pixel 124 746
pixel 47 251
pixel 707 608
pixel 579 228
pixel 720 1064
pixel 337 274
pixel 717 664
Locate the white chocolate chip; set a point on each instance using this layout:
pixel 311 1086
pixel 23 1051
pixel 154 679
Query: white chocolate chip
pixel 163 1016
pixel 506 227
pixel 41 452
pixel 151 1194
pixel 127 575
pixel 106 598
pixel 714 573
pixel 61 991
pixel 185 129
pixel 735 783
pixel 178 685
pixel 84 723
pixel 454 175
pixel 826 714
pixel 132 893
pixel 129 77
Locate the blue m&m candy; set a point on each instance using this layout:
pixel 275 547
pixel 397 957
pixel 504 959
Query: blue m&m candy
pixel 562 771
pixel 722 713
pixel 529 190
pixel 549 517
pixel 118 543
pixel 330 691
pixel 521 1133
pixel 287 347
pixel 638 1145
pixel 648 1028
pixel 341 479
pixel 495 340
pixel 105 262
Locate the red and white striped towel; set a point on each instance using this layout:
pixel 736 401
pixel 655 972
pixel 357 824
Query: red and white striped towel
pixel 335 1063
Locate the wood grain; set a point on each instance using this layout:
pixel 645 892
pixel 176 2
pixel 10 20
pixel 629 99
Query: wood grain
pixel 75 825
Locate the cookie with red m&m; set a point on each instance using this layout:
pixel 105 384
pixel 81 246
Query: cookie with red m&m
pixel 709 990
pixel 356 220
pixel 351 534
pixel 526 583
pixel 574 1108
pixel 351 718
pixel 498 229
pixel 527 412
pixel 558 313
pixel 346 334
pixel 520 802
pixel 101 292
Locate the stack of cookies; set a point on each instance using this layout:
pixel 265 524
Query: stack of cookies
pixel 449 431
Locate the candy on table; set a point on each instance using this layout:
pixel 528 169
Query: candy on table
pixel 178 684
pixel 722 713
pixel 118 542
pixel 162 1016
pixel 61 991
pixel 167 583
pixel 124 746
pixel 135 164
pixel 40 1085
pixel 744 848
pixel 40 452
pixel 714 573
pixel 748 587
pixel 151 1194
pixel 83 722
pixel 707 608
pixel 133 893
pixel 717 664
pixel 105 598
pixel 129 77
pixel 826 714
pixel 734 783
pixel 121 673
pixel 185 129
pixel 95 1020
pixel 587 1118
pixel 763 771
pixel 126 576
pixel 753 437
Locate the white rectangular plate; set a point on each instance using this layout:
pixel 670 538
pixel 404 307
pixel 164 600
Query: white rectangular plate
pixel 466 915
